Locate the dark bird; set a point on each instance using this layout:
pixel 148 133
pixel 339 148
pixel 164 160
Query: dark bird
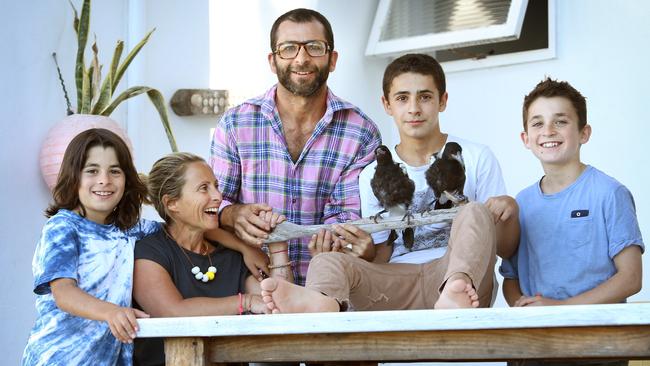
pixel 446 176
pixel 394 190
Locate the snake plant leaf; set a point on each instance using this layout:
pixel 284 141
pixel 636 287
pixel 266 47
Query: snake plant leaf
pixel 127 61
pixel 96 75
pixel 86 92
pixel 128 93
pixel 158 101
pixel 75 23
pixel 104 95
pixel 117 54
pixel 106 91
pixel 82 35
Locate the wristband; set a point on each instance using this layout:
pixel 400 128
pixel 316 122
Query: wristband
pixel 281 251
pixel 288 264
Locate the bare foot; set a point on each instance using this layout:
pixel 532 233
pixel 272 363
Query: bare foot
pixel 283 297
pixel 457 294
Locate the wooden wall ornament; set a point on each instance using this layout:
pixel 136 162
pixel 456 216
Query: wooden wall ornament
pixel 192 102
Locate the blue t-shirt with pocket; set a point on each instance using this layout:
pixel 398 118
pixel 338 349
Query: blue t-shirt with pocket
pixel 100 258
pixel 569 239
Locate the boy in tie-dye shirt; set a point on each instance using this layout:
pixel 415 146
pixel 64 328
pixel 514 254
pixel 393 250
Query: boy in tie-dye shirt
pixel 100 258
pixel 83 264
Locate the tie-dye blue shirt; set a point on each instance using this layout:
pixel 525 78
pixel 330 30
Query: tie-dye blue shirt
pixel 100 258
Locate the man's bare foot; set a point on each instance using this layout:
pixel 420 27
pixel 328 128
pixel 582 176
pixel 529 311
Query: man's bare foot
pixel 283 297
pixel 456 294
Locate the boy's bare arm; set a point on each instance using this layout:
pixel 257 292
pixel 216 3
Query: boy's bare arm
pixel 625 283
pixel 505 212
pixel 75 301
pixel 511 291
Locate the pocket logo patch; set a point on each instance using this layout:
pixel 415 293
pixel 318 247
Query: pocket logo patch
pixel 579 213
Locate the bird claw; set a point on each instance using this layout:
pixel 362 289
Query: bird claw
pixel 377 216
pixel 408 216
pixel 456 198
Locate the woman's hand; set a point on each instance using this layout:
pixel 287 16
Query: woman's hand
pixel 256 261
pixel 122 322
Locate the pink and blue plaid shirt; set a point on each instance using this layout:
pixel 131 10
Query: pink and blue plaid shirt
pixel 251 161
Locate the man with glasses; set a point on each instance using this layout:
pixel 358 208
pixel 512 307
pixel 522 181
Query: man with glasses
pixel 297 150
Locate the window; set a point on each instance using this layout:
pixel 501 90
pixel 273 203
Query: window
pixel 465 34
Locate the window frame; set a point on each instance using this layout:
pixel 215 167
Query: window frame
pixel 491 34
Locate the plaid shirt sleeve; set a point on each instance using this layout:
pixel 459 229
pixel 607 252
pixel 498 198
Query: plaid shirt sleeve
pixel 345 203
pixel 224 159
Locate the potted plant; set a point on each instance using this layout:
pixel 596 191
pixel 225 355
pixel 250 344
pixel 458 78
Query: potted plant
pixel 95 101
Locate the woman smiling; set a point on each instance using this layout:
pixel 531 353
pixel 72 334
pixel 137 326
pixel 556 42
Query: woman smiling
pixel 177 271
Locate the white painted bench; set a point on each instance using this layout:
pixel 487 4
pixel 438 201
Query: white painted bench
pixel 554 332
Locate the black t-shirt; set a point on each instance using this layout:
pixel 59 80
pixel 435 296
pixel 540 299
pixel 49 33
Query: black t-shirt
pixel 229 280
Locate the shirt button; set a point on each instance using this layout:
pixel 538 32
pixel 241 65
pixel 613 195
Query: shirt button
pixel 294 200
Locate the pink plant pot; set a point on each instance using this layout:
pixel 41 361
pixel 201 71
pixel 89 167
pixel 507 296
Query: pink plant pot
pixel 60 135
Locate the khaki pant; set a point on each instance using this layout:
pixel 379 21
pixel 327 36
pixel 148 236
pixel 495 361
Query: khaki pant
pixel 364 285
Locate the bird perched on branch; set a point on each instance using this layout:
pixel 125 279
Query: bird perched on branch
pixel 446 176
pixel 394 190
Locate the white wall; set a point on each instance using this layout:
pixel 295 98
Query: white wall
pixel 31 101
pixel 600 50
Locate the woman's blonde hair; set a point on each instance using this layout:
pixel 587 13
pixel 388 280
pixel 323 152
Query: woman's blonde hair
pixel 167 178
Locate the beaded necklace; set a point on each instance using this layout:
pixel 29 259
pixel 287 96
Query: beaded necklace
pixel 196 271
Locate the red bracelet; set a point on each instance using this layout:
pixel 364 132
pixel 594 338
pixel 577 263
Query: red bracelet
pixel 241 308
pixel 281 251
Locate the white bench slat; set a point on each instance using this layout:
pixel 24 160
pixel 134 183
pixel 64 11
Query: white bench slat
pixel 396 321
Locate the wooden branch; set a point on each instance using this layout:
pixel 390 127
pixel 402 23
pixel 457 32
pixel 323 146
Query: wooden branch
pixel 288 230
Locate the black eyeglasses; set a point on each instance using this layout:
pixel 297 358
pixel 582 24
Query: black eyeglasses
pixel 289 50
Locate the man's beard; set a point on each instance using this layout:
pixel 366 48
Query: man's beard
pixel 305 88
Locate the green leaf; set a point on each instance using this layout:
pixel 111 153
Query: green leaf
pixel 158 101
pixel 104 96
pixel 96 75
pixel 106 91
pixel 82 38
pixel 127 61
pixel 116 58
pixel 86 92
pixel 75 22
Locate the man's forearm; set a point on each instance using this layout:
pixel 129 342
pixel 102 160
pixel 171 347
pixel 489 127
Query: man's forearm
pixel 226 218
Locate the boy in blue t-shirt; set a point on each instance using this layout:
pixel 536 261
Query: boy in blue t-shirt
pixel 580 241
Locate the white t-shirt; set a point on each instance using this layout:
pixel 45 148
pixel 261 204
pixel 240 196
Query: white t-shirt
pixel 484 180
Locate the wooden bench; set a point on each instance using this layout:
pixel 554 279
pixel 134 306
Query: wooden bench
pixel 497 334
